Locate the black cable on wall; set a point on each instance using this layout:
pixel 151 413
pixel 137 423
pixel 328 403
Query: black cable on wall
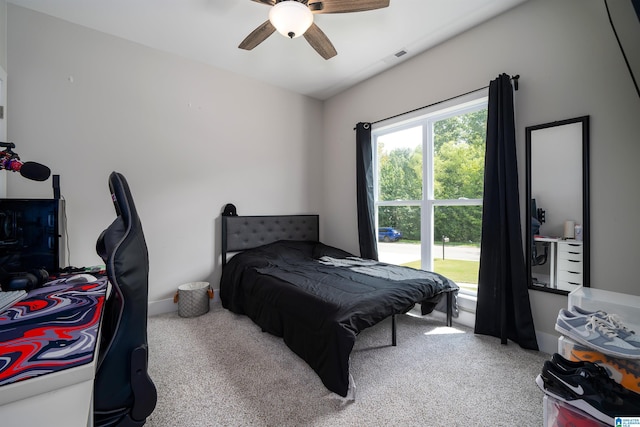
pixel 636 6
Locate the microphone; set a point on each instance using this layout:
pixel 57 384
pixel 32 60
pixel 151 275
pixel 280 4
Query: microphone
pixel 29 170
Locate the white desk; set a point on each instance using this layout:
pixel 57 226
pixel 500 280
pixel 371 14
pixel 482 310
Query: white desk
pixel 551 259
pixel 49 347
pixel 564 263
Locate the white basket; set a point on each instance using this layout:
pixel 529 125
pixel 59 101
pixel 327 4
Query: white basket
pixel 193 299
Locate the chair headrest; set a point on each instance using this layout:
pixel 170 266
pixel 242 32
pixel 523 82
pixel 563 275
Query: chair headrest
pixel 122 199
pixel 127 217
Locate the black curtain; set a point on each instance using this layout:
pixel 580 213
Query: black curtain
pixel 364 183
pixel 503 308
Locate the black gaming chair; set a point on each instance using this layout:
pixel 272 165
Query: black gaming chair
pixel 537 259
pixel 124 395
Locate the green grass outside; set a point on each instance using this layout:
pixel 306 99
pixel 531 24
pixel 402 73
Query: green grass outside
pixel 459 271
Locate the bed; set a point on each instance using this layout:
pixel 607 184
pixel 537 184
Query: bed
pixel 318 298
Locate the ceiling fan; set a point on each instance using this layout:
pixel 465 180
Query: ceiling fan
pixel 294 18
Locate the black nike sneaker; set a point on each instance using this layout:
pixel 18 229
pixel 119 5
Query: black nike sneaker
pixel 584 390
pixel 599 373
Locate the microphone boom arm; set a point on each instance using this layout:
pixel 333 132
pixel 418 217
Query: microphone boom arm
pixel 9 160
pixel 8 153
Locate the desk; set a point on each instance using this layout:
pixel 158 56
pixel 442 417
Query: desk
pixel 564 263
pixel 551 259
pixel 48 352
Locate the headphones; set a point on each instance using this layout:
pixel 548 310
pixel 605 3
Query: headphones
pixel 23 281
pixel 229 210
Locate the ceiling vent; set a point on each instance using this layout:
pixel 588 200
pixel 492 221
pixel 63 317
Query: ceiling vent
pixel 393 59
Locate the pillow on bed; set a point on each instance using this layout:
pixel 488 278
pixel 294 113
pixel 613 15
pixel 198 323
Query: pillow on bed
pixel 291 249
pixel 320 250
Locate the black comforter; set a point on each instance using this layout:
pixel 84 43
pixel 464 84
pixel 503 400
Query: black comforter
pixel 318 298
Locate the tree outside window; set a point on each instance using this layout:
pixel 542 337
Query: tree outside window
pixel 431 171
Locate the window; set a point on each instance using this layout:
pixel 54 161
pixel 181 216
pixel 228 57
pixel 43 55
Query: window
pixel 429 175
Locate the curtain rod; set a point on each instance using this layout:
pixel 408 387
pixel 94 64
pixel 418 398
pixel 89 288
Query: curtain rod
pixel 515 86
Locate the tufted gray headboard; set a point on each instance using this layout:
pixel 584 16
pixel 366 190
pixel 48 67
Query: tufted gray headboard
pixel 240 233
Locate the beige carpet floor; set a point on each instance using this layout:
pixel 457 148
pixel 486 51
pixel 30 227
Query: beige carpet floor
pixel 219 369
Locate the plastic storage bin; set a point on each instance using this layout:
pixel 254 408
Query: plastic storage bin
pixel 561 414
pixel 624 371
pixel 627 307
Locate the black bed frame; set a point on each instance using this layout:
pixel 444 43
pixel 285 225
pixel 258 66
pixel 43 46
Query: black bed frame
pixel 240 233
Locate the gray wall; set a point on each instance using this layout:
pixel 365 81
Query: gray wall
pixel 570 66
pixel 3 34
pixel 188 137
pixel 191 138
pixel 3 65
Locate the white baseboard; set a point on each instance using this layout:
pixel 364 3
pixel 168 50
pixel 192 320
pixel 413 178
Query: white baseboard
pixel 547 343
pixel 161 306
pixel 465 319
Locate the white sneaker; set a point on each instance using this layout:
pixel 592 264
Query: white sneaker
pixel 614 320
pixel 596 333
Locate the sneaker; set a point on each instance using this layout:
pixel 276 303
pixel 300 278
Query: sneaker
pixel 624 371
pixel 621 329
pixel 600 374
pixel 594 332
pixel 583 390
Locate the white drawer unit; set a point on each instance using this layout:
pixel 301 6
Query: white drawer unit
pixel 569 264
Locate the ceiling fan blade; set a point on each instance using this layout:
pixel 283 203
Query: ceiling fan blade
pixel 269 2
pixel 344 6
pixel 257 36
pixel 320 42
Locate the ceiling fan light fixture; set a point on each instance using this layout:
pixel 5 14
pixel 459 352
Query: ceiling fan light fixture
pixel 291 18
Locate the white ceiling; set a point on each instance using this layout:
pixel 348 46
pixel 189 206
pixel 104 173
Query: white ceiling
pixel 209 31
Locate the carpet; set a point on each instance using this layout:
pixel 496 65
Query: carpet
pixel 220 369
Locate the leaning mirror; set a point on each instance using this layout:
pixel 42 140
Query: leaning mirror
pixel 558 205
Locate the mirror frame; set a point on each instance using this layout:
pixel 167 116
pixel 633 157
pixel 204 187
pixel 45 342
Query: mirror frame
pixel 586 232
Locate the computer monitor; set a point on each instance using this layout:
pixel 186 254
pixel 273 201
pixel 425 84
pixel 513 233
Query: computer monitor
pixel 30 234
